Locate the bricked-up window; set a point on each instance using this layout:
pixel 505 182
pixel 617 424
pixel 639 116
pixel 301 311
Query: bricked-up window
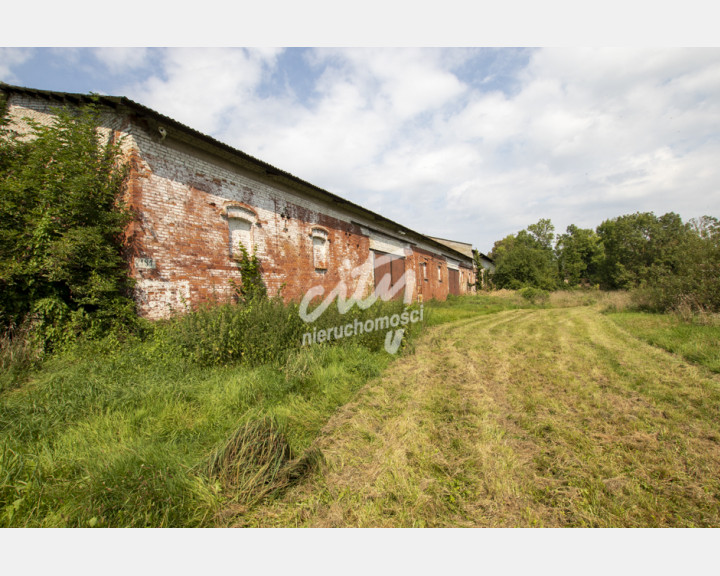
pixel 240 227
pixel 320 248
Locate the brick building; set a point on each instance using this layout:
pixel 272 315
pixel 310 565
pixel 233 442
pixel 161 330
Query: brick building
pixel 196 198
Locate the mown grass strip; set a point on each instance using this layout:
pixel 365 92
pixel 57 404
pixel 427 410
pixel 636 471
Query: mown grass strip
pixel 523 418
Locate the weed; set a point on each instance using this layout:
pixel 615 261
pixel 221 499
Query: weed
pixel 257 461
pixel 20 352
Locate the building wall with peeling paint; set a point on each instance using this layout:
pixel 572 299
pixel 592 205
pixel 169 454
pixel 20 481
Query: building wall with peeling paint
pixel 194 201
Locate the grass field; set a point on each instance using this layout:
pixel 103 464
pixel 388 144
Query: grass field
pixel 695 342
pixel 536 417
pixel 129 437
pixel 504 412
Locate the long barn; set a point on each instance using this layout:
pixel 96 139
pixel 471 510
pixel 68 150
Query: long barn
pixel 196 199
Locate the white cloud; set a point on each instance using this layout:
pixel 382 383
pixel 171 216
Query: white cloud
pixel 9 58
pixel 120 60
pixel 594 134
pixel 201 87
pixel 584 135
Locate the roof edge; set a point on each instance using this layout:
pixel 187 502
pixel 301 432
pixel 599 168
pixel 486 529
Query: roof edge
pixel 271 171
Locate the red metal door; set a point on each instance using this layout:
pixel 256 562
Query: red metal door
pixel 389 275
pixel 454 279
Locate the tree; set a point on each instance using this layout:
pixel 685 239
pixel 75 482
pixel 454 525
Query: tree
pixel 543 232
pixel 640 248
pixel 694 279
pixel 61 227
pixel 526 258
pixel 580 254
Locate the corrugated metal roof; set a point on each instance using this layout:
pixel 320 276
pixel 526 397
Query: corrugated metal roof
pixel 116 102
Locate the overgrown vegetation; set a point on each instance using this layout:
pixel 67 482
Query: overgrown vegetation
pixel 206 414
pixel 252 287
pixel 666 263
pixel 61 228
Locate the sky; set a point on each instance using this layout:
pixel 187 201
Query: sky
pixel 466 143
pixel 469 144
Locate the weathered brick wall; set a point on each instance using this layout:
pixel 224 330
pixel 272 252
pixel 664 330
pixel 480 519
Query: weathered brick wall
pixel 182 201
pixel 186 196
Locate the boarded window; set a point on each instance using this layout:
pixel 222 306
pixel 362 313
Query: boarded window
pixel 320 246
pixel 240 227
pixel 240 232
pixel 439 273
pixel 423 265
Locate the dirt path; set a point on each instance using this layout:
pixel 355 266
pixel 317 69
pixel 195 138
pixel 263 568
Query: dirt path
pixel 524 418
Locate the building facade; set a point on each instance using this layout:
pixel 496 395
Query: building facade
pixel 195 199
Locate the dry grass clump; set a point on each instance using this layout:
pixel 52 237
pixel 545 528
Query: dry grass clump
pixel 19 353
pixel 615 301
pixel 572 298
pixel 257 461
pixel 689 310
pixel 505 294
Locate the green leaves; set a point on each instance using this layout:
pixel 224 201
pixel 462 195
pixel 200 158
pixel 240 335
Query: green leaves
pixel 580 254
pixel 252 287
pixel 640 247
pixel 61 226
pixel 526 258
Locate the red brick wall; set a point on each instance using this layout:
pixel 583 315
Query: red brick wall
pixel 179 245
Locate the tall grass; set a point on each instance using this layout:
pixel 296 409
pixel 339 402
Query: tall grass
pixel 263 331
pixel 214 408
pixel 697 341
pixel 19 354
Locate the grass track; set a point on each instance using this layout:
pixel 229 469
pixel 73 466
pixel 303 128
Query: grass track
pixel 544 417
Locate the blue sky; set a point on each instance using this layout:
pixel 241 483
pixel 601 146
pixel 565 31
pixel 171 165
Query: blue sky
pixel 464 143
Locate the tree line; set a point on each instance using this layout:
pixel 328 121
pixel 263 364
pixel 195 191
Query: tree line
pixel 664 259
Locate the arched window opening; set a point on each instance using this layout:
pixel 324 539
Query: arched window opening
pixel 321 248
pixel 240 227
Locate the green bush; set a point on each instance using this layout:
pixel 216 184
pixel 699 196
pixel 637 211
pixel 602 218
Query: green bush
pixel 534 295
pixel 265 331
pixel 61 229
